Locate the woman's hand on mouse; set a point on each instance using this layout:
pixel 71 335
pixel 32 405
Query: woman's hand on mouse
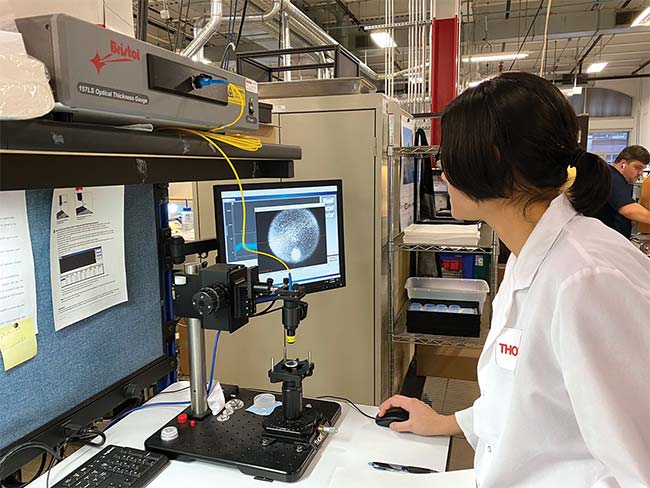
pixel 423 420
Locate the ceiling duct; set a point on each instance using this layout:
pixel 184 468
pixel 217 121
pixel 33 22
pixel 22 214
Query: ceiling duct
pixel 208 30
pixel 300 25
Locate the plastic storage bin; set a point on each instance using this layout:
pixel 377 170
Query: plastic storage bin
pixel 464 294
pixel 442 289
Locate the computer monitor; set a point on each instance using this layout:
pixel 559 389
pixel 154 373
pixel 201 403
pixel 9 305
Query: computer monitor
pixel 298 222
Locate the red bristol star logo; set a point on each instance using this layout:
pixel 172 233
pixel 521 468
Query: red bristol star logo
pixel 126 53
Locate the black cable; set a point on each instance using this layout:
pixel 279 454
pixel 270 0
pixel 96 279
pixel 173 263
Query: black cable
pixel 350 402
pixel 40 471
pixel 27 445
pixel 541 3
pixel 187 19
pixel 241 24
pixel 20 484
pixel 231 33
pixel 266 310
pixel 178 27
pixel 174 391
pixel 86 435
pixel 169 36
pixel 49 470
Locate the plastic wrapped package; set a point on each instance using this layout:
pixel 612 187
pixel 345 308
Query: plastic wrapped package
pixel 24 89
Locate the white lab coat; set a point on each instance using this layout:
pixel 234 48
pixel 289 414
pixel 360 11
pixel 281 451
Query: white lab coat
pixel 565 371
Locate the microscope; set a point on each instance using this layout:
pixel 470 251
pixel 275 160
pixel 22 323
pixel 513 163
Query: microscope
pixel 225 297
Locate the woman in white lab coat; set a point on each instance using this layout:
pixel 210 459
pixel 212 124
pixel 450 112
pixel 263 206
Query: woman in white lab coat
pixel 565 371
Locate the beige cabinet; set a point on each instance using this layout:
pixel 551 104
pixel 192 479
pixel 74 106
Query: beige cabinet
pixel 342 137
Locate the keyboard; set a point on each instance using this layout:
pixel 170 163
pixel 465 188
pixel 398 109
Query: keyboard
pixel 116 467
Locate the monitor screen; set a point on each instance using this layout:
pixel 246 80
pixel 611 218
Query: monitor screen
pixel 299 222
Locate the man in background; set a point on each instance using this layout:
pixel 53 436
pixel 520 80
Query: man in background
pixel 621 210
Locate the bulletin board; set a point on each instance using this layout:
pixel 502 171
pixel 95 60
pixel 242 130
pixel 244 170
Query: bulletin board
pixel 87 357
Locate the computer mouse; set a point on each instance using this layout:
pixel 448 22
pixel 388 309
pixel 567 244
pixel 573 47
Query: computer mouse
pixel 395 414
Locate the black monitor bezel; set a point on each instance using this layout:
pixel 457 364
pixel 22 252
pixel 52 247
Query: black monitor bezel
pixel 313 287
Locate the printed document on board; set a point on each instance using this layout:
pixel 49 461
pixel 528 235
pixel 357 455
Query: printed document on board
pixel 87 267
pixel 17 278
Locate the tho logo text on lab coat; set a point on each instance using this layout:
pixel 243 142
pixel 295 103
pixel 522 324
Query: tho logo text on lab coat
pixel 509 349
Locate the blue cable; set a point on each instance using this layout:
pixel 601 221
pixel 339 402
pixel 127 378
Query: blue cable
pixel 141 407
pixel 163 404
pixel 202 81
pixel 214 359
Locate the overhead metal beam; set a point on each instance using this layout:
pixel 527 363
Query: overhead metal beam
pixel 562 26
pixel 143 14
pixel 349 13
pixel 643 65
pixel 585 54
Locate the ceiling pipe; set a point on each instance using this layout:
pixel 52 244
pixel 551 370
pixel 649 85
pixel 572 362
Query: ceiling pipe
pixel 264 17
pixel 300 23
pixel 309 29
pixel 208 30
pixel 143 16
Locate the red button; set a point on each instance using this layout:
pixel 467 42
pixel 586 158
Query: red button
pixel 192 423
pixel 182 418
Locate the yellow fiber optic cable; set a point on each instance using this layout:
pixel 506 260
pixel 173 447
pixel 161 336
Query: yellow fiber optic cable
pixel 242 103
pixel 210 139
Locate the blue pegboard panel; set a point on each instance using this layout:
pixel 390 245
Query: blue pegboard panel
pixel 87 357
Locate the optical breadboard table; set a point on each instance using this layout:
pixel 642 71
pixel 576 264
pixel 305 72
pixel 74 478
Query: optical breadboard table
pixel 341 461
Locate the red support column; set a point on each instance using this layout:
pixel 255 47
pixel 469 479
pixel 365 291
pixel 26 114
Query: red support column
pixel 444 69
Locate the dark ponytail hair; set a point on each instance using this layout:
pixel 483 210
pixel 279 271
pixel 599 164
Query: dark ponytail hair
pixel 590 189
pixel 514 136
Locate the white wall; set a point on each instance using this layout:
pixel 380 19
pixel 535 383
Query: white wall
pixel 639 123
pixel 643 122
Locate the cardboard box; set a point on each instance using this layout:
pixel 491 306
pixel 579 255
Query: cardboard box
pixel 645 201
pixel 447 362
pixel 116 15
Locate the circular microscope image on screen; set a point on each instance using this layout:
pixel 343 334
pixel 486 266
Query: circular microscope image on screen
pixel 295 235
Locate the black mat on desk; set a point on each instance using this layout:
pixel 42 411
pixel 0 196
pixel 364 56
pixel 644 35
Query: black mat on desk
pixel 237 442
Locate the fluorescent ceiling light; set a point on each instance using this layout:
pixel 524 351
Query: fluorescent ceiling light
pixel 486 58
pixel 596 67
pixel 642 19
pixel 382 39
pixel 569 92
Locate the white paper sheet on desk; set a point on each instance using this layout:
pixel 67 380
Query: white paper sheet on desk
pixel 365 476
pixel 87 267
pixel 17 279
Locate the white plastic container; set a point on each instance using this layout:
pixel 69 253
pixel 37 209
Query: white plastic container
pixel 448 289
pixel 264 400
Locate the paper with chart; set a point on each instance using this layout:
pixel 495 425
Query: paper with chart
pixel 88 271
pixel 17 278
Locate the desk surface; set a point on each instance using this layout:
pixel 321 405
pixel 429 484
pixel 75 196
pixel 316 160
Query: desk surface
pixel 342 461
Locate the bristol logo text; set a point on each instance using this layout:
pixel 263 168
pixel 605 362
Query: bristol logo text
pixel 119 53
